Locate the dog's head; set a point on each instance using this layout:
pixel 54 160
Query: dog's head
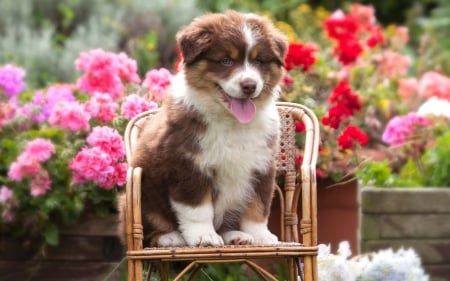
pixel 236 59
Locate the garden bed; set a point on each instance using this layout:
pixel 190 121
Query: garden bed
pixel 89 250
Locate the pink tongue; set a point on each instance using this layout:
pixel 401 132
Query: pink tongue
pixel 243 109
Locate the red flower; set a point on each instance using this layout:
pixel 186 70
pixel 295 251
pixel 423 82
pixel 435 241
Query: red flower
pixel 348 50
pixel 340 26
pixel 375 38
pixel 299 55
pixel 299 127
pixel 343 102
pixel 352 135
pixel 334 117
pixel 342 94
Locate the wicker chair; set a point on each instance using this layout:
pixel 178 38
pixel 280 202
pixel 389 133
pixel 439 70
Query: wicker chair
pixel 294 249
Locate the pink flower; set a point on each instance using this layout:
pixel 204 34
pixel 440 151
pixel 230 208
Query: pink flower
pixel 392 64
pixel 71 116
pixel 5 194
pixel 120 175
pixel 118 178
pixel 434 84
pixel 109 141
pixel 134 104
pixel 7 112
pixel 156 82
pixel 39 149
pixel 92 164
pixel 22 167
pixel 407 88
pixel 11 80
pixel 102 107
pixel 365 15
pixel 40 184
pixel 400 37
pixel 127 68
pixel 105 72
pixel 401 129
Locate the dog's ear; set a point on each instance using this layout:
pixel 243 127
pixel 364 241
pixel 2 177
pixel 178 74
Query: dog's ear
pixel 193 41
pixel 280 46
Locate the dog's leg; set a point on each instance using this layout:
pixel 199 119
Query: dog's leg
pixel 254 222
pixel 196 223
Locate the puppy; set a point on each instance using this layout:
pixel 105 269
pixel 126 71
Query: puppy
pixel 208 155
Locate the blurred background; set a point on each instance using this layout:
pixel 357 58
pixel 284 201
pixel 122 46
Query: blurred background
pixel 46 36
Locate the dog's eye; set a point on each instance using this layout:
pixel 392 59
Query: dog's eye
pixel 227 61
pixel 257 62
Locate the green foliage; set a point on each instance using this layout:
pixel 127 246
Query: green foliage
pixel 430 170
pixel 437 162
pixel 436 40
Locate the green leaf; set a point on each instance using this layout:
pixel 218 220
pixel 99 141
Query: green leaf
pixel 51 234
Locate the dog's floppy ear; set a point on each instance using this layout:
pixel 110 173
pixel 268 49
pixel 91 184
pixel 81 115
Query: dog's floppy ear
pixel 193 41
pixel 281 43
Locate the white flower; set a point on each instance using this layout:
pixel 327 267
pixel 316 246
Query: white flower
pixel 436 107
pixel 402 265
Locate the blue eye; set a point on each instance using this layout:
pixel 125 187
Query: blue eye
pixel 257 62
pixel 227 61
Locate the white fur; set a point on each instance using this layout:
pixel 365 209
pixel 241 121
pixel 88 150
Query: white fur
pixel 260 233
pixel 236 237
pixel 226 142
pixel 171 239
pixel 195 224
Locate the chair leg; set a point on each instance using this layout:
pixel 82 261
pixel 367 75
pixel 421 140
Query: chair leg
pixel 131 273
pixel 309 269
pixel 292 269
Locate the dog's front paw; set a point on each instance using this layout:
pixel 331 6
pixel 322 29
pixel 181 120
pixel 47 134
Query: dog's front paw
pixel 171 239
pixel 196 237
pixel 235 237
pixel 260 232
pixel 265 238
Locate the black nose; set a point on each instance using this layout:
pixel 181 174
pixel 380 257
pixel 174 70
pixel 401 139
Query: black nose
pixel 248 86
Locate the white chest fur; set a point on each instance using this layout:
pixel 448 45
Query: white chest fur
pixel 232 153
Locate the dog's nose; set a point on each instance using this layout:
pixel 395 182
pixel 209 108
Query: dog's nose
pixel 248 86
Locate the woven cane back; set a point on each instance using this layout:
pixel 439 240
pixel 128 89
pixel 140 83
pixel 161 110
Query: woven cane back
pixel 297 196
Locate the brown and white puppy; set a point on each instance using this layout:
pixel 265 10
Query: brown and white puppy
pixel 208 156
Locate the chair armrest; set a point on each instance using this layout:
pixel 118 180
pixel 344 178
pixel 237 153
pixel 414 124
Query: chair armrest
pixel 134 228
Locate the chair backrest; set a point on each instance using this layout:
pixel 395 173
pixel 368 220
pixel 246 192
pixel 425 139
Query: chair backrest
pixel 297 183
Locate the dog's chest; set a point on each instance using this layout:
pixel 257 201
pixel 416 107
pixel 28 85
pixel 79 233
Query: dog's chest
pixel 231 156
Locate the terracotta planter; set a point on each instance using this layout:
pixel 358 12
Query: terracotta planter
pixel 88 250
pixel 417 218
pixel 337 213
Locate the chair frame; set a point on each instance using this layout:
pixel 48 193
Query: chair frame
pixel 298 184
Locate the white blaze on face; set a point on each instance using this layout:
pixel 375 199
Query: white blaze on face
pixel 240 104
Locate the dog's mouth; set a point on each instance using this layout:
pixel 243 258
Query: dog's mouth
pixel 243 109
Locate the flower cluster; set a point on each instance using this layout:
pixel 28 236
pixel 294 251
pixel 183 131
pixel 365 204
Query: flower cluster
pixel 352 31
pixel 102 162
pixel 62 145
pixel 354 74
pixel 403 264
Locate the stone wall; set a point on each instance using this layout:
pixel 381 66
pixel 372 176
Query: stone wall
pixel 406 217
